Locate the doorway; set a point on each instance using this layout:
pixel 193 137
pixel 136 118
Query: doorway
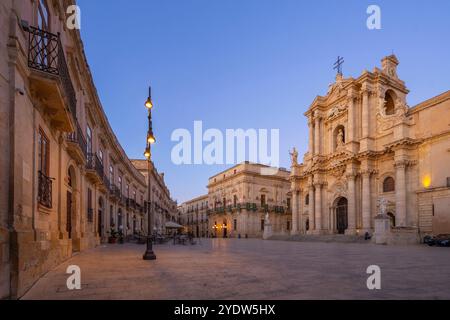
pixel 342 215
pixel 69 215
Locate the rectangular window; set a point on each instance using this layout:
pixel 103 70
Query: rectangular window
pixel 288 226
pixel 43 153
pixel 111 174
pixel 44 182
pixel 42 15
pixel 262 224
pixel 89 139
pixel 111 216
pixel 263 200
pixel 100 156
pixel 90 210
pixel 288 203
pixel 120 184
pixel 235 224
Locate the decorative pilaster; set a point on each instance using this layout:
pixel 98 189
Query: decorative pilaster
pixel 365 112
pixel 311 209
pixel 318 207
pixel 400 193
pixel 295 215
pixel 311 137
pixel 351 210
pixel 317 135
pixel 366 215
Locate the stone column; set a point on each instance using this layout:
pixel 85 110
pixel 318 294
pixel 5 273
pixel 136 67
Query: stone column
pixel 311 209
pixel 318 207
pixel 300 222
pixel 400 193
pixel 351 116
pixel 365 113
pixel 311 137
pixel 351 210
pixel 366 216
pixel 294 209
pixel 317 136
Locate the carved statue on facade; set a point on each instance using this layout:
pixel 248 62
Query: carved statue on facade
pixel 294 157
pixel 340 138
pixel 383 205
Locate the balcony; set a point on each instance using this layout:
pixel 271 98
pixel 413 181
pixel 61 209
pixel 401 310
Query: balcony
pixel 44 190
pixel 131 204
pixel 76 145
pixel 94 169
pixel 50 79
pixel 114 192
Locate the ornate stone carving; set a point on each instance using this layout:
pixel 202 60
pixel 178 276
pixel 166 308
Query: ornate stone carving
pixel 336 111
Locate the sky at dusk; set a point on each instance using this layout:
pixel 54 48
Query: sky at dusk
pixel 246 64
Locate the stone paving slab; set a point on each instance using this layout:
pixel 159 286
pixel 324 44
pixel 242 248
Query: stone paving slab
pixel 252 269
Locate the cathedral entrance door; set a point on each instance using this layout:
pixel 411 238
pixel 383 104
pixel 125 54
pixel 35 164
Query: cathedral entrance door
pixel 341 215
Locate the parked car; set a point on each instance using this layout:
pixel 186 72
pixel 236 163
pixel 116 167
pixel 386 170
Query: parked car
pixel 441 240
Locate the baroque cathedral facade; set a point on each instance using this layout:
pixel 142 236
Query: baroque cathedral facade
pixel 367 144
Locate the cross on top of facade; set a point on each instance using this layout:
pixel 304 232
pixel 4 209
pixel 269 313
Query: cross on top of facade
pixel 338 65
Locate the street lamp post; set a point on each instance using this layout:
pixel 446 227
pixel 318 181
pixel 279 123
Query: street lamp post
pixel 149 254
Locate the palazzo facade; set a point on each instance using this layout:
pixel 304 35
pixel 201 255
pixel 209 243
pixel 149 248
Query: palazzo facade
pixel 240 197
pixel 366 143
pixel 65 180
pixel 194 216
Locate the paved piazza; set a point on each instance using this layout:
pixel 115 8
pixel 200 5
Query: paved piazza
pixel 252 269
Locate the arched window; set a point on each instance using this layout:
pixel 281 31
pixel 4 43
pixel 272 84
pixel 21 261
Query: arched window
pixel 390 104
pixel 389 184
pixel 307 199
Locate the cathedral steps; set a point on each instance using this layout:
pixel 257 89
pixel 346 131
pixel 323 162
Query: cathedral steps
pixel 338 238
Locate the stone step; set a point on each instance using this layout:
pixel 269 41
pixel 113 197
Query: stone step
pixel 322 238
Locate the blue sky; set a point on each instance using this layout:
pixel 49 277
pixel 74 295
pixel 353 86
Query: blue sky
pixel 246 64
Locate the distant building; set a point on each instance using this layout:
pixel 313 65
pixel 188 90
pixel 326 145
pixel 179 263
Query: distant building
pixel 194 216
pixel 164 208
pixel 238 200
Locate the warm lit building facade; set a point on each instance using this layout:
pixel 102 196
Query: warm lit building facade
pixel 65 179
pixel 240 197
pixel 365 144
pixel 194 216
pixel 164 208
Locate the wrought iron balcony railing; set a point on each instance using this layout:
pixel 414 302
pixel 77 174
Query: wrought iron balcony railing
pixel 114 191
pixel 46 54
pixel 94 163
pixel 44 190
pixel 78 138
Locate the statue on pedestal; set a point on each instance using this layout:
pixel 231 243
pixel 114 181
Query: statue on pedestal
pixel 294 157
pixel 383 206
pixel 340 138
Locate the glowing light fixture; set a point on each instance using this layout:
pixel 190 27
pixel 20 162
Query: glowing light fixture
pixel 426 181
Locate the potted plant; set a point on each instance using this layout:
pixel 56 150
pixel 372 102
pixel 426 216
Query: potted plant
pixel 112 235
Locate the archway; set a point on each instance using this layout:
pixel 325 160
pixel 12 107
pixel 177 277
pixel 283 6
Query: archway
pixel 341 215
